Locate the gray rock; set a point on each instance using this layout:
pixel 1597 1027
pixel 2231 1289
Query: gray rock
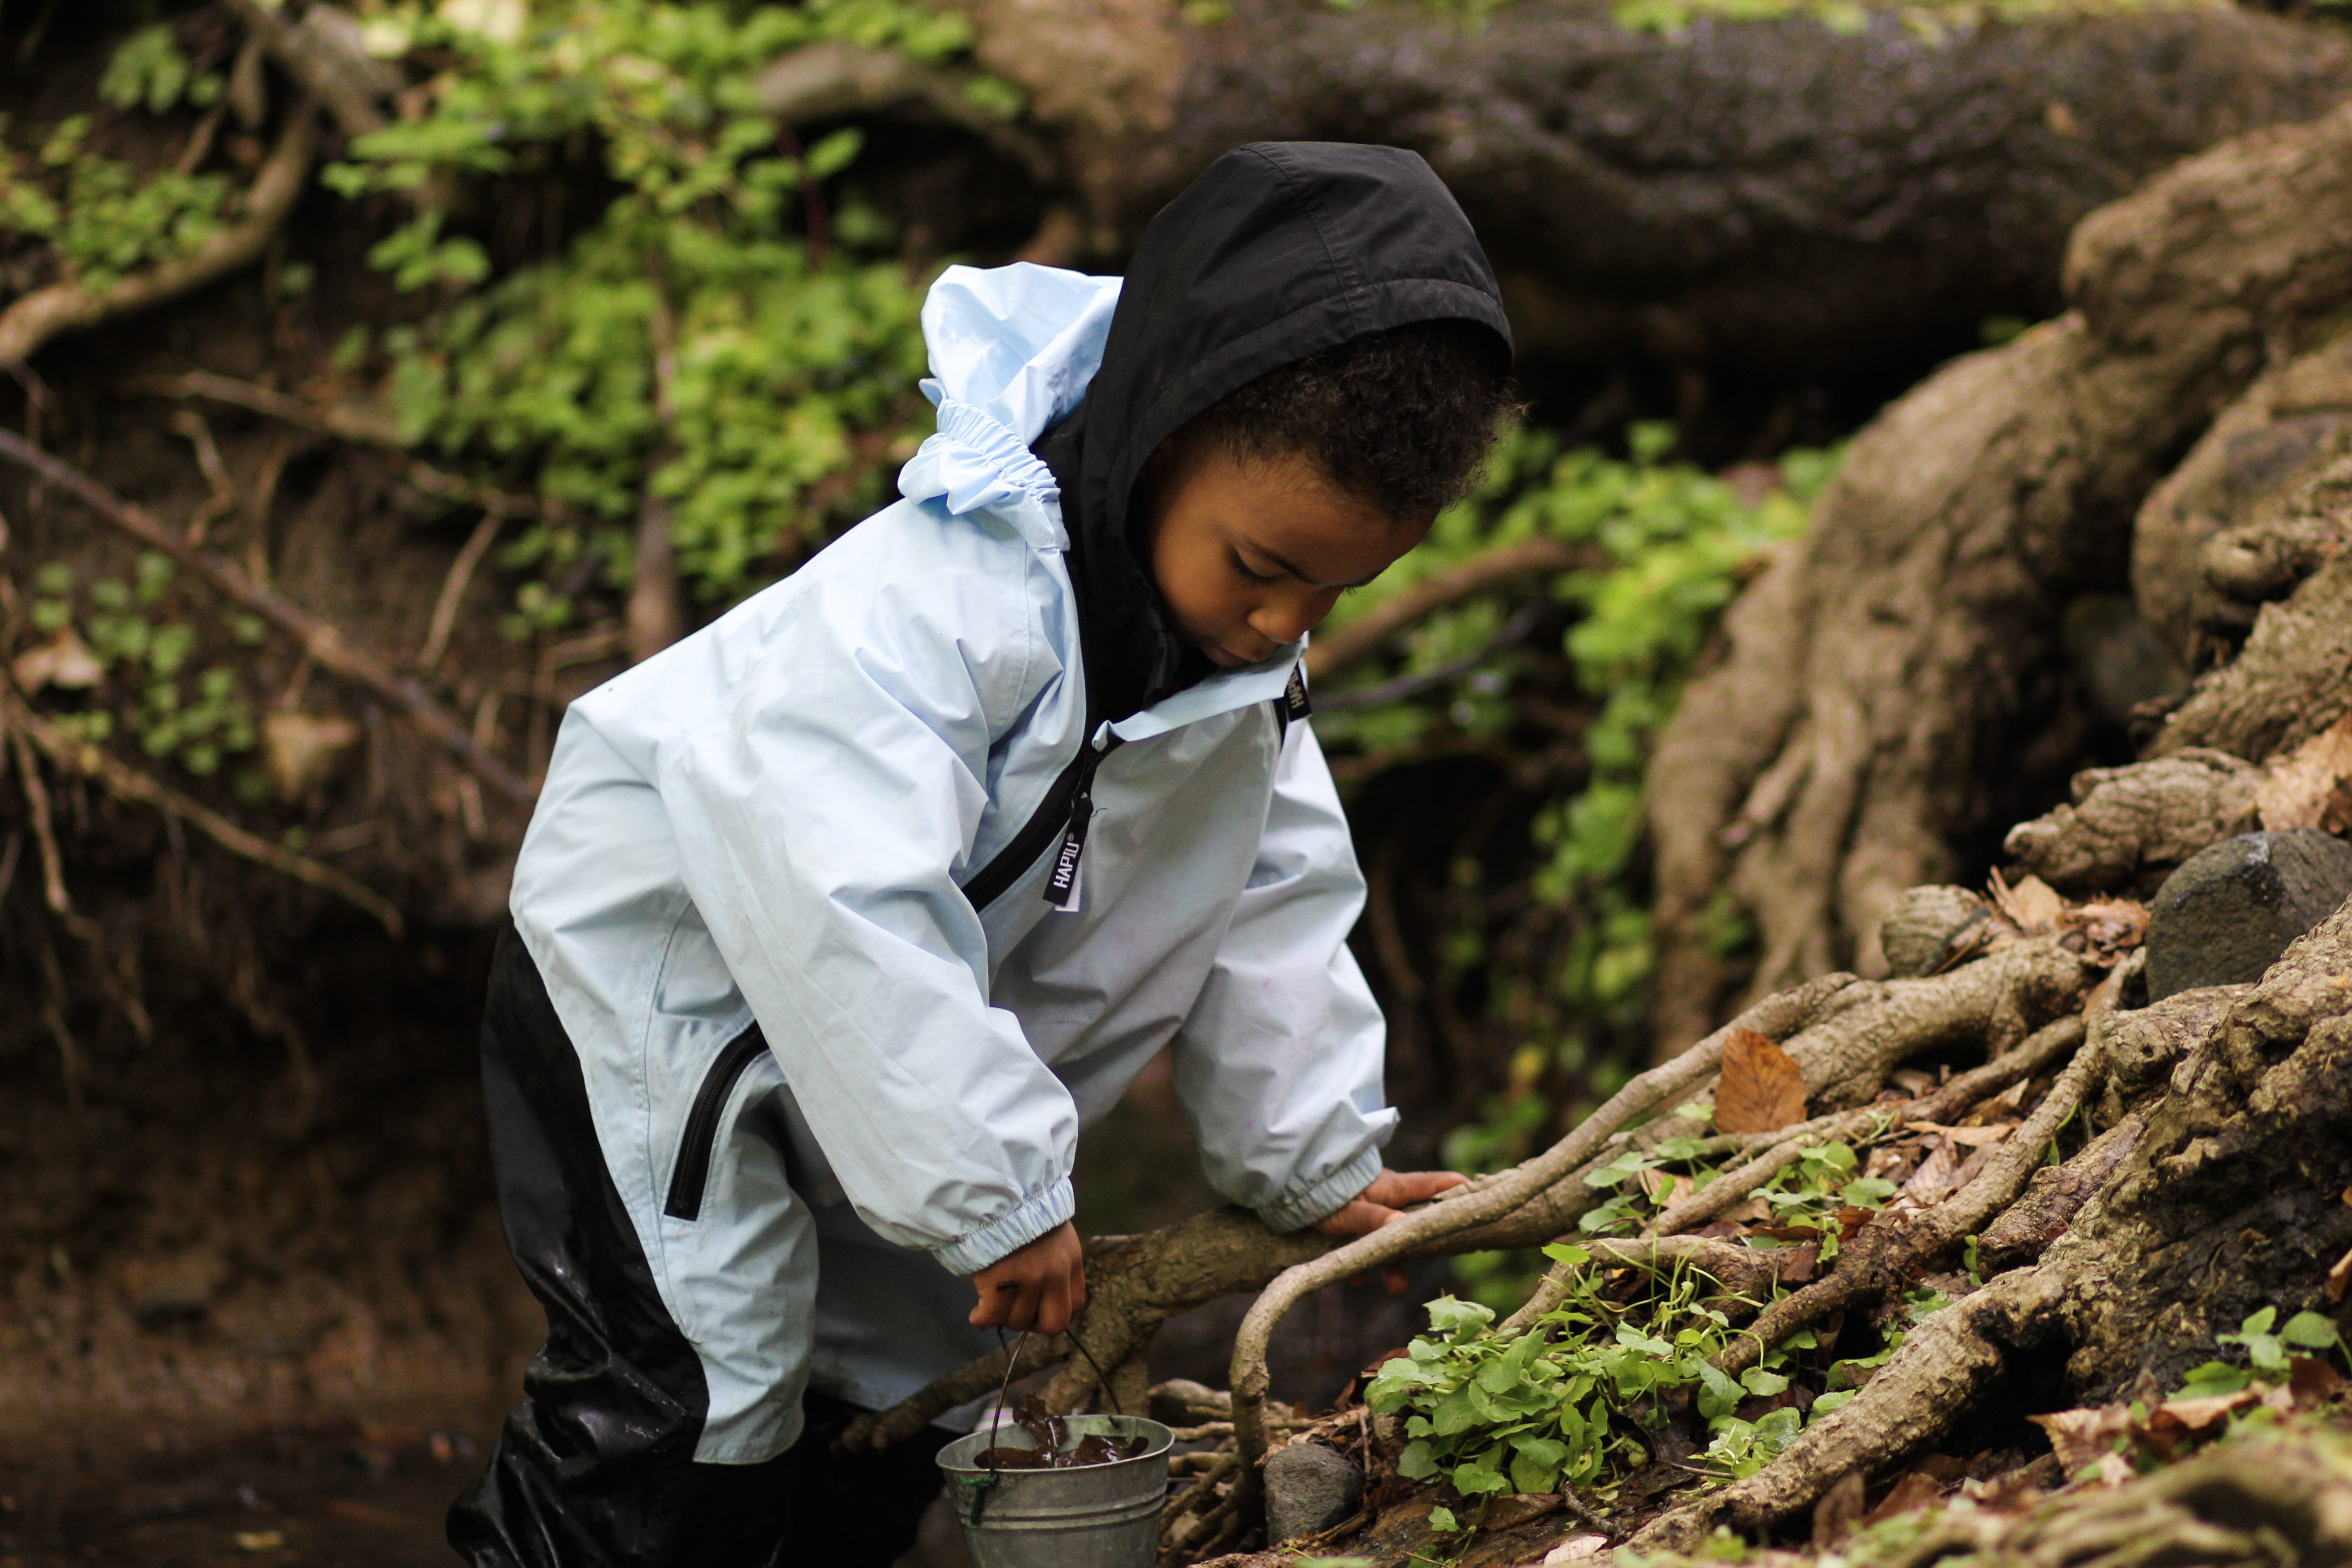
pixel 1309 1488
pixel 2230 909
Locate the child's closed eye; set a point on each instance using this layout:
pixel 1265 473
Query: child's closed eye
pixel 1243 567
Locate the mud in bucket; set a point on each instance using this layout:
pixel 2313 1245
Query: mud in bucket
pixel 1094 1516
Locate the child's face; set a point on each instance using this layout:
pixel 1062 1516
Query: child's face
pixel 1251 553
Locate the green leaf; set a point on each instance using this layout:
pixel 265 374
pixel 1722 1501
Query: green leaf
pixel 2212 1378
pixel 1718 1395
pixel 1416 1464
pixel 1443 1519
pixel 1762 1383
pixel 2260 1323
pixel 1477 1480
pixel 1451 1315
pixel 1867 1192
pixel 2312 1331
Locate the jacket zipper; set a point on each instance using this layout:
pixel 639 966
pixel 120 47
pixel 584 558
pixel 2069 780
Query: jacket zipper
pixel 1062 884
pixel 692 1172
pixel 1055 814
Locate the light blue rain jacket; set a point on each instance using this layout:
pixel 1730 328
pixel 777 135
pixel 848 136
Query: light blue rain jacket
pixel 774 820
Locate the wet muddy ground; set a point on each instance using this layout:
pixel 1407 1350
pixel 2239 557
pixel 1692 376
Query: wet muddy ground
pixel 288 1500
pixel 225 1342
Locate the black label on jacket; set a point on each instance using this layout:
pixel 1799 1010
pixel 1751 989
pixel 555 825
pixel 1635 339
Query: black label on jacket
pixel 1294 695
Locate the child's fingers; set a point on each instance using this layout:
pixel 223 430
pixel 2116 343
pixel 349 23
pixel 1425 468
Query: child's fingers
pixel 1054 1309
pixel 1398 1188
pixel 1361 1218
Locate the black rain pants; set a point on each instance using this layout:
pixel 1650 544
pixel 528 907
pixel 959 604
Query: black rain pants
pixel 596 1468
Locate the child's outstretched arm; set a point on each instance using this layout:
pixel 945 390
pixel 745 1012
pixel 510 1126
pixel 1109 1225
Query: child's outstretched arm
pixel 1278 1063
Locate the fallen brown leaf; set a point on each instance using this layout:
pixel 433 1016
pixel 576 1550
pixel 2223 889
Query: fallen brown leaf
pixel 2311 1381
pixel 2339 1277
pixel 1838 1513
pixel 2198 1413
pixel 2032 905
pixel 2311 787
pixel 1937 1174
pixel 1762 1089
pixel 1918 1489
pixel 2081 1436
pixel 64 661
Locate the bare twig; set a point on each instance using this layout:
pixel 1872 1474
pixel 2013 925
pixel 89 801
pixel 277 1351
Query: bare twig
pixel 318 638
pixel 1490 569
pixel 362 424
pixel 38 317
pixel 656 614
pixel 188 423
pixel 453 591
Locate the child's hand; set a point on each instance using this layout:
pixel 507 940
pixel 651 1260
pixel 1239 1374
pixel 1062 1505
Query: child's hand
pixel 1040 1286
pixel 1378 1203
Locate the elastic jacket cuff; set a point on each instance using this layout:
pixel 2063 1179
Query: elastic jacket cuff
pixel 1297 1211
pixel 1038 1213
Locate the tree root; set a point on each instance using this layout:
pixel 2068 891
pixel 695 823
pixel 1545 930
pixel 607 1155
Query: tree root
pixel 1946 1363
pixel 1775 1017
pixel 1897 1244
pixel 44 314
pixel 322 641
pixel 1737 1185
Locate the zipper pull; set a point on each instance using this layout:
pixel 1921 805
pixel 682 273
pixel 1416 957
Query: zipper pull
pixel 1062 886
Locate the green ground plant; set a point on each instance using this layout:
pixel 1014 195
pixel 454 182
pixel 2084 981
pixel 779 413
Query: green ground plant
pixel 135 648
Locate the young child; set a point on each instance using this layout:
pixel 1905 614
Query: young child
pixel 839 920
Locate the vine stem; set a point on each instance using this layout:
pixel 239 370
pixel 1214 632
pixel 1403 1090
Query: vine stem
pixel 1776 1017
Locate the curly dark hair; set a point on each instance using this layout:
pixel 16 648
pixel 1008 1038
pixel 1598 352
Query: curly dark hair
pixel 1399 418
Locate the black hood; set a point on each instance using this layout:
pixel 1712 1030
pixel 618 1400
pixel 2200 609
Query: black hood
pixel 1278 250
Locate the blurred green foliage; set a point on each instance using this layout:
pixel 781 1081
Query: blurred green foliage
pixel 714 339
pixel 1669 546
pixel 99 218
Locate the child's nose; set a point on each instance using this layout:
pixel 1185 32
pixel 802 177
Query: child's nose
pixel 1289 617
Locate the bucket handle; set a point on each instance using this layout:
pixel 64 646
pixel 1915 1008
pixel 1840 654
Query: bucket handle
pixel 977 1488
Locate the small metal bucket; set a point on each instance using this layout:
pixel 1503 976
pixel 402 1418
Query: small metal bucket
pixel 1095 1515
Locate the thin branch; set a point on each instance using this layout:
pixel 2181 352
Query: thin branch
pixel 452 590
pixel 1361 638
pixel 1514 631
pixel 359 423
pixel 44 314
pixel 322 641
pixel 127 782
pixel 323 53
